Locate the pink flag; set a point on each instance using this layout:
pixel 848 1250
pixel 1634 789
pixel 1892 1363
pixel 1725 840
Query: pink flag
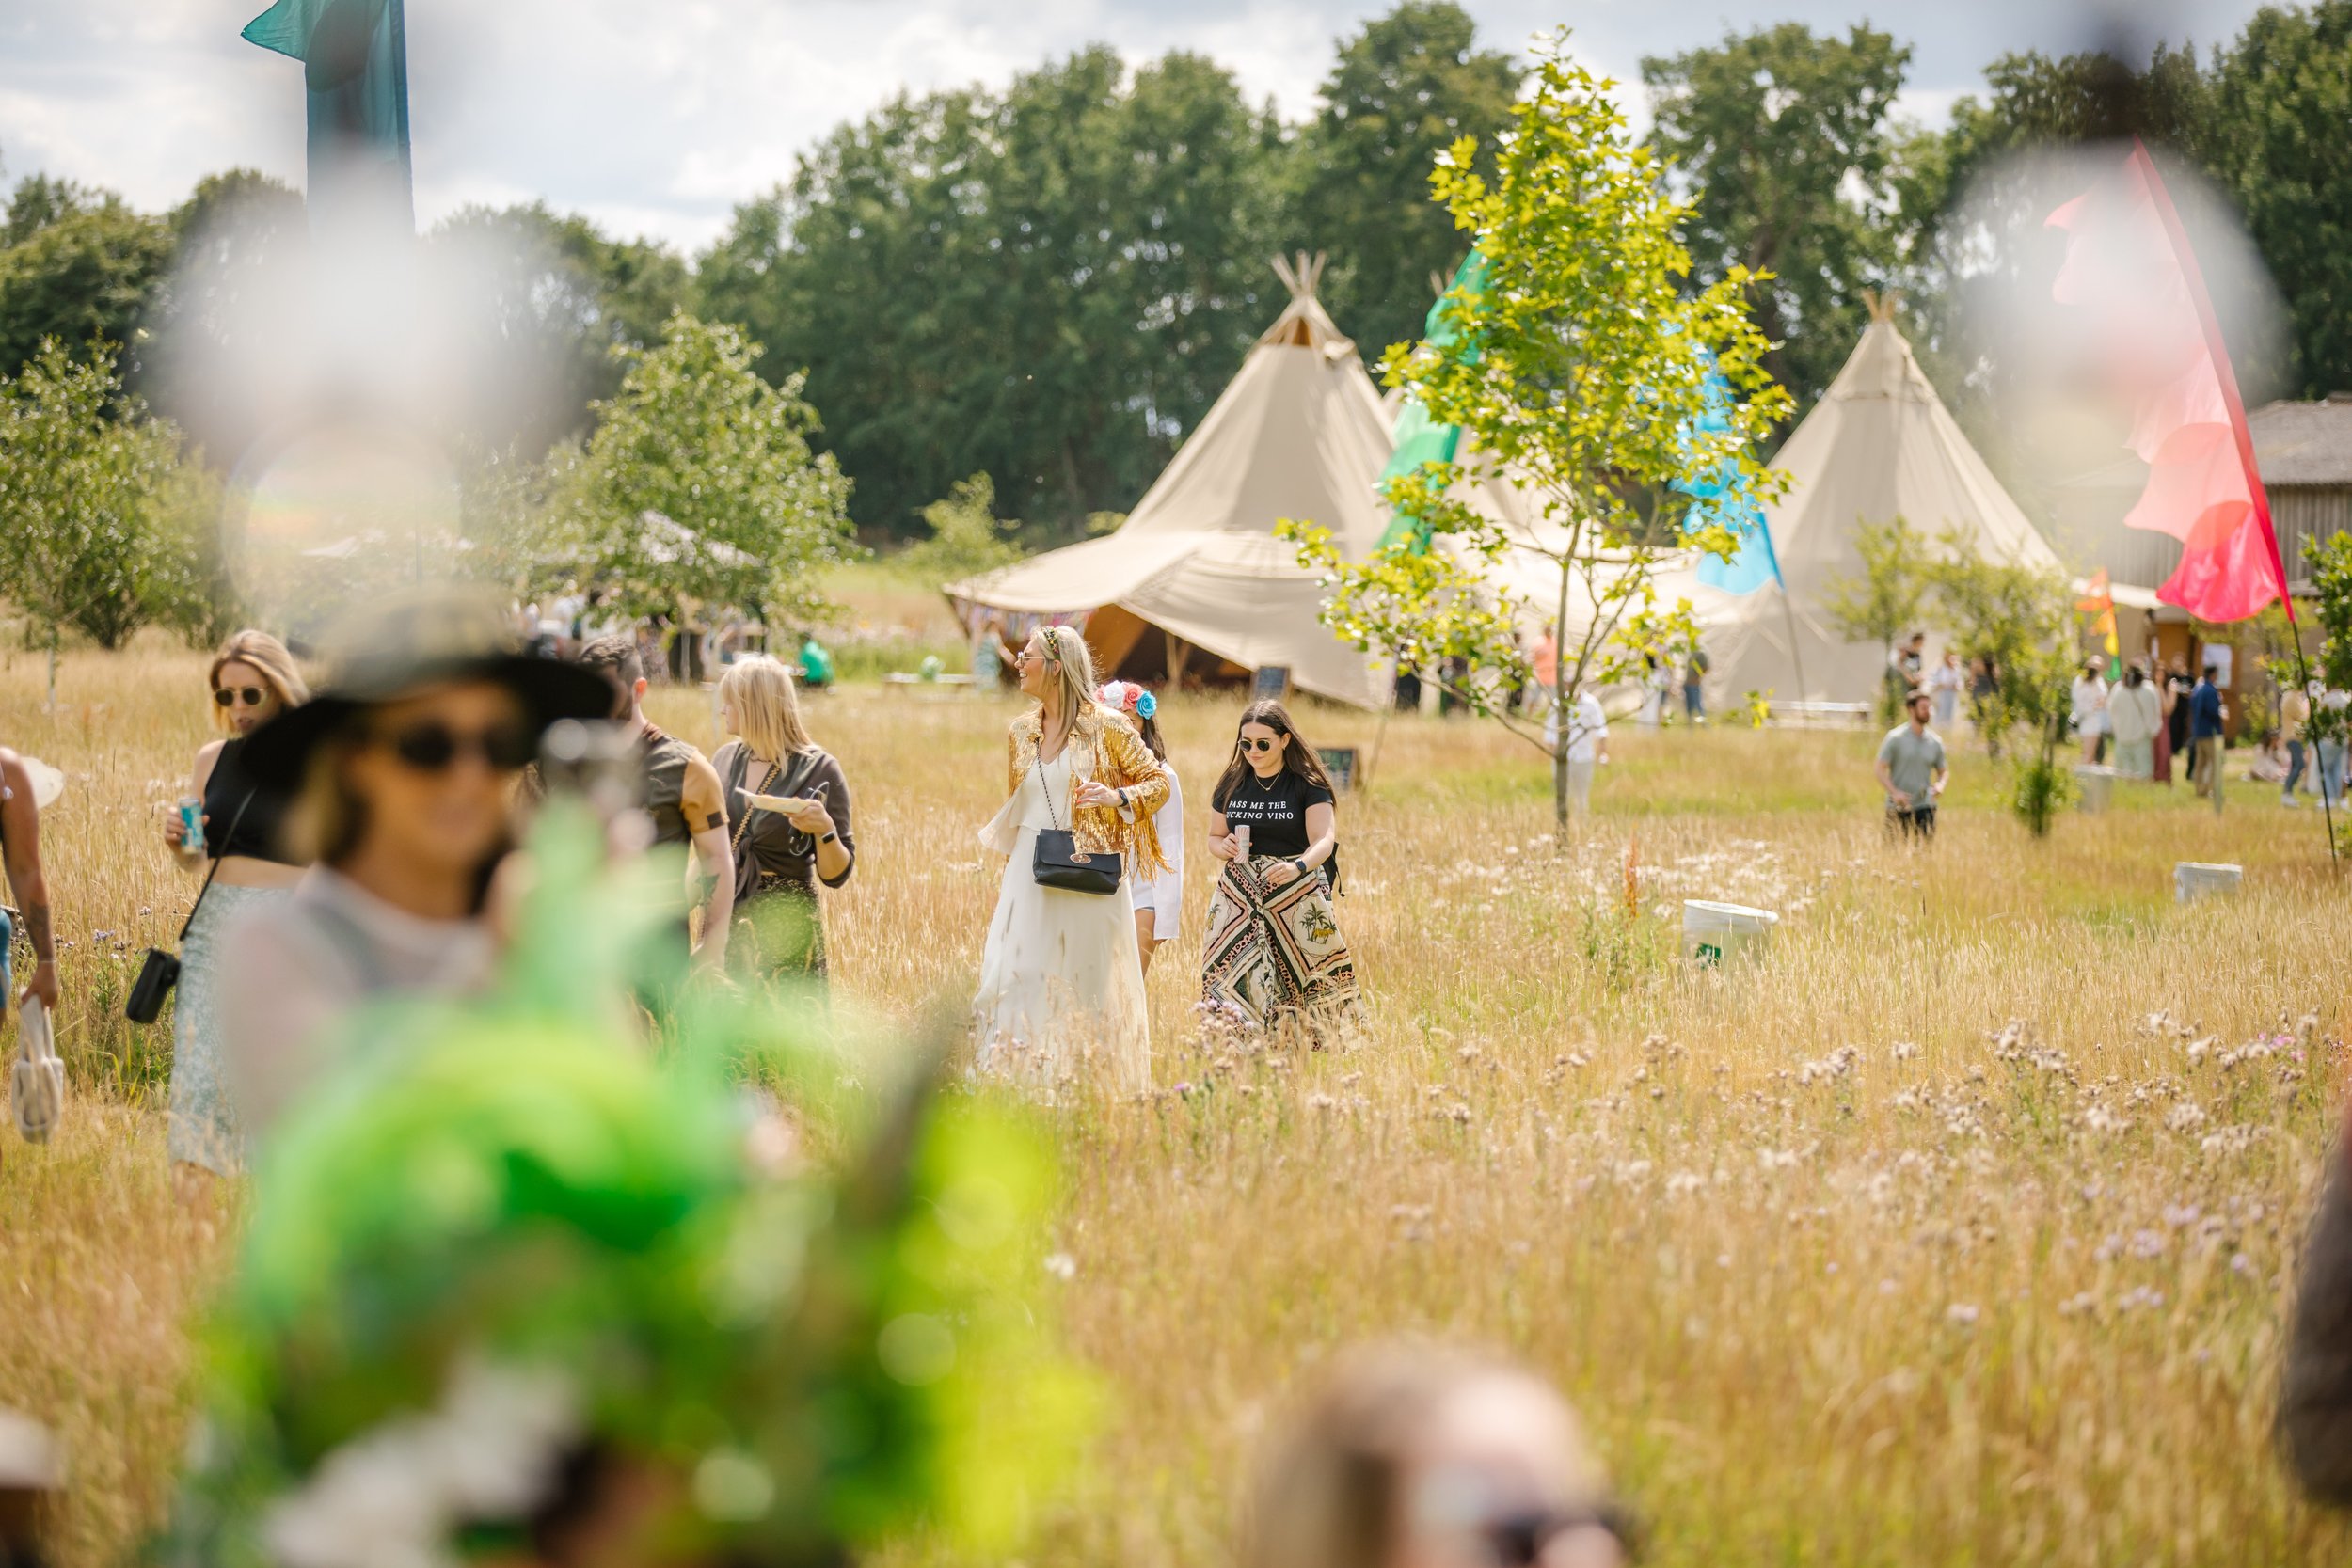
pixel 2129 265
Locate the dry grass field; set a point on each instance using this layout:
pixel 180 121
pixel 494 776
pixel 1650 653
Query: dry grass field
pixel 1958 1230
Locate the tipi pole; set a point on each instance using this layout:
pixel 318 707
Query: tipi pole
pixel 1789 614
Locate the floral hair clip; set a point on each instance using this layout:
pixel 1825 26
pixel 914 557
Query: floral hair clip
pixel 1130 696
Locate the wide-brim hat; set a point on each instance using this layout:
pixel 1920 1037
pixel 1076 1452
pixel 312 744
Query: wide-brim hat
pixel 412 644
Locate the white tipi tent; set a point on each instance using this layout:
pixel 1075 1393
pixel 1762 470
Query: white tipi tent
pixel 1196 569
pixel 1879 445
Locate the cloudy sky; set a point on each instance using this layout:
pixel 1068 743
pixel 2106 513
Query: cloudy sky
pixel 657 115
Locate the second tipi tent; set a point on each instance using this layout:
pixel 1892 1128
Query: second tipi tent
pixel 1879 444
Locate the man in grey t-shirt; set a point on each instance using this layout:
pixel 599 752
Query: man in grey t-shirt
pixel 1912 769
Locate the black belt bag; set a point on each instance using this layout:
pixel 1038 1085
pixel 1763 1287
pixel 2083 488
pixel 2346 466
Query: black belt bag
pixel 1061 864
pixel 161 971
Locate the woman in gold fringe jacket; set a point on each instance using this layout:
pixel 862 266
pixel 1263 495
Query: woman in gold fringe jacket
pixel 1061 986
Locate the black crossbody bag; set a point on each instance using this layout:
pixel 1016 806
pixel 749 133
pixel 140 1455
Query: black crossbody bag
pixel 161 971
pixel 1060 862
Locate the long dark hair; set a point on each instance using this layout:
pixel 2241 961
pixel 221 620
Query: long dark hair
pixel 1299 758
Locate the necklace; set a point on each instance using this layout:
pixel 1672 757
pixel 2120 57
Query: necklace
pixel 1264 787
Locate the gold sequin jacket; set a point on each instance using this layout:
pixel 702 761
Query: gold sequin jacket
pixel 1103 748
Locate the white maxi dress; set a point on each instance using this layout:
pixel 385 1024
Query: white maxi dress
pixel 1061 984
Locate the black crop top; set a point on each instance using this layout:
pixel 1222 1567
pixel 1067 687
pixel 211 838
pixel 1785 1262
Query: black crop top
pixel 258 833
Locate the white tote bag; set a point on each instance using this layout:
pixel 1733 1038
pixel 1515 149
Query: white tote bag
pixel 36 1087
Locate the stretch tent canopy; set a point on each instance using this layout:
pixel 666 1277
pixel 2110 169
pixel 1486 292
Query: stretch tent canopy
pixel 1196 569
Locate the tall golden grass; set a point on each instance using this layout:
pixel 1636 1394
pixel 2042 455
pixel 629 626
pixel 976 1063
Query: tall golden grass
pixel 1959 1230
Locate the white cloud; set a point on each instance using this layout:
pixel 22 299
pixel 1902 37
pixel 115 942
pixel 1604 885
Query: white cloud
pixel 660 118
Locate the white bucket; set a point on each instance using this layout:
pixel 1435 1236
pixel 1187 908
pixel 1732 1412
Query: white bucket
pixel 2094 788
pixel 1715 934
pixel 2195 880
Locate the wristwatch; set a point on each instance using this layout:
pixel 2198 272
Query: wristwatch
pixel 831 838
pixel 1301 863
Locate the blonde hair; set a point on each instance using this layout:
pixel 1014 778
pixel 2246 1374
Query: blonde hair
pixel 1067 653
pixel 1330 1484
pixel 758 693
pixel 265 654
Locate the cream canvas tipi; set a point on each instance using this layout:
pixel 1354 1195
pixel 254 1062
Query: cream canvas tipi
pixel 1195 578
pixel 1878 446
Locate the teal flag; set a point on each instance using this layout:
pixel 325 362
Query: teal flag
pixel 354 66
pixel 1421 439
pixel 1723 496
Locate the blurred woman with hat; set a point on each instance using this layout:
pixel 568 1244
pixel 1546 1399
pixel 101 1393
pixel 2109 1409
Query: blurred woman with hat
pixel 403 773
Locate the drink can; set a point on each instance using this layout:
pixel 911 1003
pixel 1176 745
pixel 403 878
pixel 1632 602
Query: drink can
pixel 192 821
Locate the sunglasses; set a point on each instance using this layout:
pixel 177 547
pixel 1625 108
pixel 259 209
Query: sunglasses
pixel 1521 1539
pixel 432 747
pixel 229 696
pixel 1250 745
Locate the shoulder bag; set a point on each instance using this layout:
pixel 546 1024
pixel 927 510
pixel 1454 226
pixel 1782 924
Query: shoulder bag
pixel 1058 862
pixel 161 971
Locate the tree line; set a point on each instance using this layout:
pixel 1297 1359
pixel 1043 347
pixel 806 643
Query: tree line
pixel 1048 281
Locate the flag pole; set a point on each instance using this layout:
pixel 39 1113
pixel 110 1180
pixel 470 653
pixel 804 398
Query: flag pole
pixel 2182 252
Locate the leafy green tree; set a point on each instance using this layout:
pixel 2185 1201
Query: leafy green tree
pixel 1049 284
pixel 1784 143
pixel 85 278
pixel 239 243
pixel 1587 383
pixel 566 303
pixel 2279 99
pixel 38 201
pixel 1407 89
pixel 1886 601
pixel 700 485
pixel 81 471
pixel 2021 619
pixel 967 537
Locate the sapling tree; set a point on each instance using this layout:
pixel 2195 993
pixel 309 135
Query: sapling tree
pixel 2020 619
pixel 1580 366
pixel 1886 600
pixel 83 475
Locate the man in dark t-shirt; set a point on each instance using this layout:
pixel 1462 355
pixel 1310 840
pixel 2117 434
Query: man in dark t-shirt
pixel 680 791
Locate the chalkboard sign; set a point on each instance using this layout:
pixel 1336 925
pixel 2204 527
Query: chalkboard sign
pixel 1340 763
pixel 1272 683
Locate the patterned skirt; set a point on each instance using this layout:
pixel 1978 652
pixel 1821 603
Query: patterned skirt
pixel 1274 956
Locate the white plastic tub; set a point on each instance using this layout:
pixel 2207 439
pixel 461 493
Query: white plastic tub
pixel 2094 788
pixel 1715 934
pixel 2195 880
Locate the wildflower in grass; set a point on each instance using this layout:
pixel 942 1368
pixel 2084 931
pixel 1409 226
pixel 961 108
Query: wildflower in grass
pixel 1962 1314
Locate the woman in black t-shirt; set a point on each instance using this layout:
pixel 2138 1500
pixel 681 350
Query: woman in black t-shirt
pixel 1274 953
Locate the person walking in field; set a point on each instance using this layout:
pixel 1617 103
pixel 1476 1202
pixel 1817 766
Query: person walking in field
pixel 1695 670
pixel 788 832
pixel 1420 1456
pixel 21 793
pixel 2295 716
pixel 2090 715
pixel 403 772
pixel 1159 899
pixel 2205 717
pixel 1061 983
pixel 1588 747
pixel 239 830
pixel 680 791
pixel 2136 716
pixel 2179 695
pixel 1945 683
pixel 1273 955
pixel 1913 770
